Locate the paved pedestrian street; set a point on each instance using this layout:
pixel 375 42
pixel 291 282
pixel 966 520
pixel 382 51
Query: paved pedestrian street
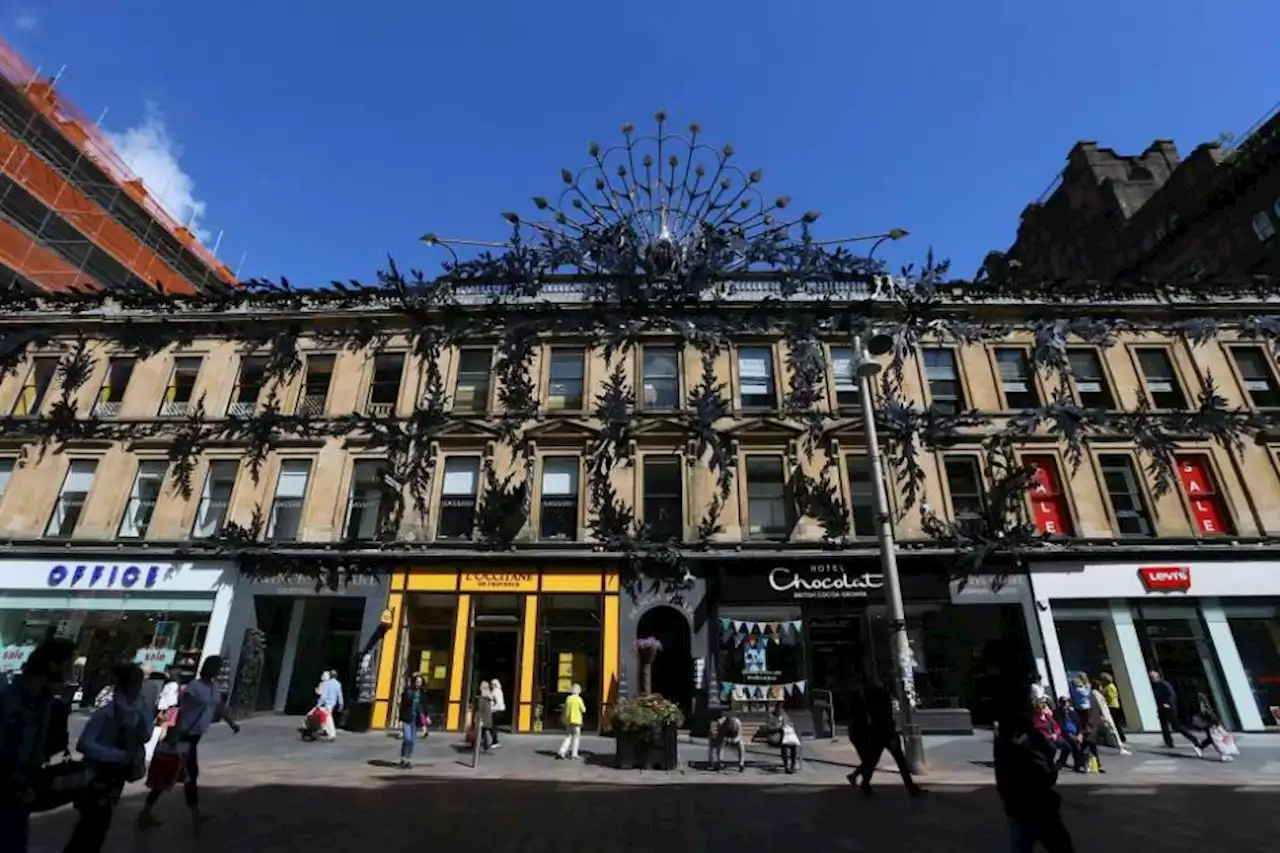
pixel 270 793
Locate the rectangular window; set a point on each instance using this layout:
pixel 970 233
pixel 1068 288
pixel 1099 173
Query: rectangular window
pixel 946 395
pixel 769 514
pixel 1259 379
pixel 848 395
pixel 364 502
pixel 1016 379
pixel 384 387
pixel 1161 382
pixel 862 496
pixel 968 498
pixel 111 395
pixel 664 497
pixel 755 378
pixel 660 378
pixel 7 464
pixel 71 498
pixel 559 498
pixel 565 389
pixel 39 378
pixel 215 500
pixel 315 387
pixel 182 386
pixel 1121 481
pixel 1090 380
pixel 1049 510
pixel 1208 507
pixel 458 497
pixel 244 399
pixel 142 500
pixel 285 521
pixel 471 390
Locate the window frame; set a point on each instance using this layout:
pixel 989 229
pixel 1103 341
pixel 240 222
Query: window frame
pixel 483 402
pixel 961 399
pixel 103 405
pixel 1104 379
pixel 1234 350
pixel 676 531
pixel 310 359
pixel 855 400
pixel 873 528
pixel 789 512
pixel 1179 388
pixel 969 517
pixel 772 387
pixel 446 496
pixel 62 490
pixel 380 466
pixel 7 477
pixel 41 395
pixel 141 531
pixel 1138 488
pixel 568 404
pixel 169 401
pixel 1218 494
pixel 244 407
pixel 678 353
pixel 205 490
pixel 1029 456
pixel 269 532
pixel 1031 380
pixel 373 385
pixel 576 535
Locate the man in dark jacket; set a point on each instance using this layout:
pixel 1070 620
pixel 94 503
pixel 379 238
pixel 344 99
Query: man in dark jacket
pixel 1025 779
pixel 1167 708
pixel 881 735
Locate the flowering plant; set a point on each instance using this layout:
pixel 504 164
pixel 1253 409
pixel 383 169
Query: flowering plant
pixel 643 714
pixel 649 644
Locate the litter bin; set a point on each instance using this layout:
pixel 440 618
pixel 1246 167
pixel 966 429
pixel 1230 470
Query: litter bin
pixel 824 721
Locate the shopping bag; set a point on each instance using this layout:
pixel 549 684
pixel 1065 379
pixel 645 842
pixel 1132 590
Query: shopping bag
pixel 1109 738
pixel 1094 765
pixel 165 770
pixel 471 732
pixel 1223 741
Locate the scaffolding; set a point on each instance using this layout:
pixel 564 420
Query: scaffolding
pixel 75 213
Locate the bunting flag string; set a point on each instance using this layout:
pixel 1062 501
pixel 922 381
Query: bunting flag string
pixel 748 692
pixel 778 630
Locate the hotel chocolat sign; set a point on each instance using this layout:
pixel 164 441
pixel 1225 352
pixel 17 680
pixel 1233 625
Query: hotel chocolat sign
pixel 801 581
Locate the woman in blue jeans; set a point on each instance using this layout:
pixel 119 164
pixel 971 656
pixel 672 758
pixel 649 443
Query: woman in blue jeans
pixel 413 717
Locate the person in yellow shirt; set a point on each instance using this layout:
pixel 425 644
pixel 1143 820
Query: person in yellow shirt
pixel 1112 696
pixel 574 711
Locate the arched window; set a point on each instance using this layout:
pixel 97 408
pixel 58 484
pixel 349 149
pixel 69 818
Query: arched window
pixel 1262 226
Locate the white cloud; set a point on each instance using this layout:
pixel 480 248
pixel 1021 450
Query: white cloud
pixel 26 22
pixel 152 154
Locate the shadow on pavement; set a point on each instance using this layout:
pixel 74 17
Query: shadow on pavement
pixel 375 813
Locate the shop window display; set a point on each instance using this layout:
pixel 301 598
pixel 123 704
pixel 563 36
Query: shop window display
pixel 761 661
pixel 166 642
pixel 1256 630
pixel 569 652
pixel 429 624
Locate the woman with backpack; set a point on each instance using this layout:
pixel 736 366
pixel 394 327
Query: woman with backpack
pixel 114 744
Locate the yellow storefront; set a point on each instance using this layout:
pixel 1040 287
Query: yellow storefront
pixel 538 631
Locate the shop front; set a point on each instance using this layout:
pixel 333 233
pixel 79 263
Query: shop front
pixel 297 631
pixel 1210 628
pixel 538 630
pixel 165 615
pixel 800 633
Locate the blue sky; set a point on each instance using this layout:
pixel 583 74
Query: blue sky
pixel 318 141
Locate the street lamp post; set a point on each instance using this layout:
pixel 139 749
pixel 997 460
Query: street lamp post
pixel 866 367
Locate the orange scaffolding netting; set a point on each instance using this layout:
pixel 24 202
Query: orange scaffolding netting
pixel 84 134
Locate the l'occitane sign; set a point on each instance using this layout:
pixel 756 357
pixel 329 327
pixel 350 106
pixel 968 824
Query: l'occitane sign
pixel 499 582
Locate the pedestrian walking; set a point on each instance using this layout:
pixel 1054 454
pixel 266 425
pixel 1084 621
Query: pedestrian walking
pixel 1110 729
pixel 1026 775
pixel 329 697
pixel 883 736
pixel 1167 708
pixel 575 711
pixel 33 729
pixel 1090 717
pixel 1111 693
pixel 114 745
pixel 413 719
pixel 1207 720
pixel 202 704
pixel 499 710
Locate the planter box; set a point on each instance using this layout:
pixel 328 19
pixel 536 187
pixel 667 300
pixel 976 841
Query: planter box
pixel 632 752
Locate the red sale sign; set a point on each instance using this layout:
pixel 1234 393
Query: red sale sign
pixel 1166 578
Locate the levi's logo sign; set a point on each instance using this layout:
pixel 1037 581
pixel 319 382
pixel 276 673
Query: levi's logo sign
pixel 1166 578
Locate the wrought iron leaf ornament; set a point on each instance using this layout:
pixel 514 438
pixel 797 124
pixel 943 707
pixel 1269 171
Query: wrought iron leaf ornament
pixel 660 236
